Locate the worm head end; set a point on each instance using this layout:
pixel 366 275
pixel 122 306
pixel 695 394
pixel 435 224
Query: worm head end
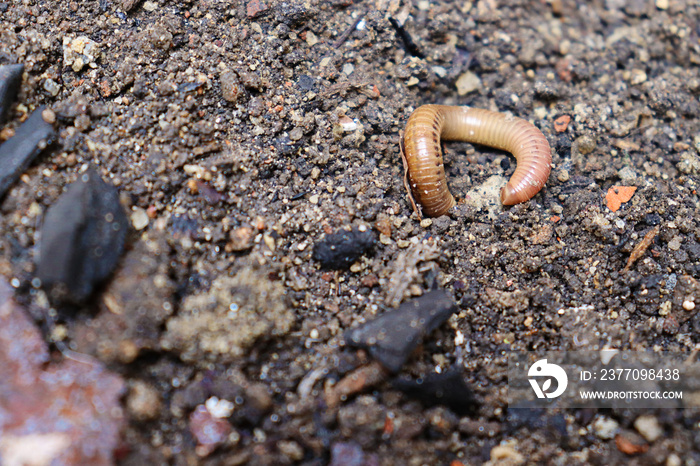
pixel 510 196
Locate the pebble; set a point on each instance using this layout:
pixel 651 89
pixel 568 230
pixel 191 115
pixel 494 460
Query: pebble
pixel 392 337
pixel 586 144
pixel 662 4
pixel 79 52
pixel 426 222
pixel 627 174
pixel 648 426
pixel 339 250
pixel 506 454
pixel 143 401
pixel 291 449
pixel 150 6
pixel 673 460
pixel 563 175
pixel 468 82
pixel 637 77
pixel 231 87
pixel 139 218
pixel 82 238
pixel 48 116
pixel 605 428
pixel 689 305
pixel 52 87
pixel 675 243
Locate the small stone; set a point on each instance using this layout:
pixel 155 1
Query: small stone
pixel 139 218
pixel 662 4
pixel 341 249
pixel 506 454
pixel 82 238
pixel 255 8
pixel 675 243
pixel 605 428
pixel 426 222
pixel 231 88
pixel 291 449
pixel 311 39
pixel 209 431
pixel 348 68
pixel 468 82
pixel 689 305
pixel 219 408
pixel 79 52
pixel 673 460
pixel 313 199
pixel 627 174
pixel 392 337
pixel 48 116
pixel 585 144
pixel 52 87
pixel 150 6
pixel 143 401
pixel 241 239
pixel 648 426
pixel 637 77
pixel 563 175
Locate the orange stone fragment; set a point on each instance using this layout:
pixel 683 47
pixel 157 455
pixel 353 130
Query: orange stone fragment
pixel 561 123
pixel 617 195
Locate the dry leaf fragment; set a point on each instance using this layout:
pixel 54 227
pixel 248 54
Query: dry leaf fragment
pixel 643 245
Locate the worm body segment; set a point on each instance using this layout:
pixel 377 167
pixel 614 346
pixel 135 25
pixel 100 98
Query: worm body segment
pixel 430 124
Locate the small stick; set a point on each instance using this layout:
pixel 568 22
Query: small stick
pixel 344 36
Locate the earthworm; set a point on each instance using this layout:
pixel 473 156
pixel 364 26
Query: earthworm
pixel 430 123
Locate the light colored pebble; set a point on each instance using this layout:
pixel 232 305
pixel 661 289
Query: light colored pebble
pixel 468 82
pixel 48 116
pixel 563 176
pixel 426 222
pixel 689 304
pixel 139 218
pixel 662 4
pixel 506 454
pixel 605 428
pixel 403 244
pixel 648 426
pixel 673 460
pixel 675 243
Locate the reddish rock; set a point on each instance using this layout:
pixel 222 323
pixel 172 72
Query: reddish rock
pixel 60 414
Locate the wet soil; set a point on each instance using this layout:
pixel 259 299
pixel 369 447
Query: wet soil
pixel 240 133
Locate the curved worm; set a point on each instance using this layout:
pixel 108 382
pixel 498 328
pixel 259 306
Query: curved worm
pixel 431 123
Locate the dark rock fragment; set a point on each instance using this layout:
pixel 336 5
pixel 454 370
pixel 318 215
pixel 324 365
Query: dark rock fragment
pixel 33 136
pixel 392 337
pixel 10 80
pixel 448 389
pixel 81 239
pixel 340 250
